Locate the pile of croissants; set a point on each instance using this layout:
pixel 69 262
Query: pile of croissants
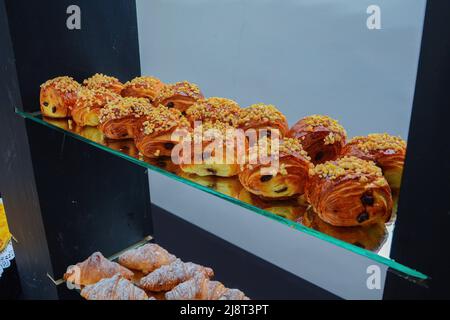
pixel 147 273
pixel 347 182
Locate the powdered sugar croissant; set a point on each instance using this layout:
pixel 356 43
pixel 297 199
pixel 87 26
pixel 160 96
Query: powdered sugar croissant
pixel 115 288
pixel 146 258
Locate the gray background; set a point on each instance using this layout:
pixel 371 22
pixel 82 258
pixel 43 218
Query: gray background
pixel 304 56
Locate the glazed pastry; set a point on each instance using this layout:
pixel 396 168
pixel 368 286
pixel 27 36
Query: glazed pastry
pixel 115 288
pixel 153 136
pixel 99 81
pixel 180 95
pixel 222 153
pixel 233 295
pixel 86 111
pixel 58 96
pixel 143 87
pixel 125 146
pixel 118 118
pixel 95 268
pixel 369 237
pixel 388 152
pixel 264 117
pixel 285 180
pixel 165 163
pixel 195 289
pixel 322 137
pixel 214 109
pixel 91 133
pixel 229 186
pixel 349 192
pixel 147 258
pixel 169 276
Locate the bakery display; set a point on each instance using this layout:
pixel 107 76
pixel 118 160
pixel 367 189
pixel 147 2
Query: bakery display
pixel 118 118
pixel 86 111
pixel 214 110
pixel 229 186
pixel 115 288
pixel 287 179
pixel 263 117
pixel 388 152
pixel 94 269
pixel 101 81
pixel 154 131
pixel 143 87
pixel 146 259
pixel 349 192
pixel 58 97
pixel 321 136
pixel 180 95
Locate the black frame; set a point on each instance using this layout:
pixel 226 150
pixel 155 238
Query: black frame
pixel 28 188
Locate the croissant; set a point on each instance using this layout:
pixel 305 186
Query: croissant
pixel 146 258
pixel 93 269
pixel 143 87
pixel 214 109
pixel 118 118
pixel 153 136
pixel 86 111
pixel 216 290
pixel 322 137
pixel 180 95
pixel 58 96
pixel 287 179
pixel 221 155
pixel 99 81
pixel 264 117
pixel 169 276
pixel 349 192
pixel 115 288
pixel 125 146
pixel 387 151
pixel 233 295
pixel 195 289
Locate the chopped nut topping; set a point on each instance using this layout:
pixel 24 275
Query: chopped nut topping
pixel 293 146
pixel 144 82
pixel 97 96
pixel 163 119
pixel 347 166
pixel 315 121
pixel 63 84
pixel 215 109
pixel 379 141
pixel 260 112
pixel 124 107
pixel 100 80
pixel 185 88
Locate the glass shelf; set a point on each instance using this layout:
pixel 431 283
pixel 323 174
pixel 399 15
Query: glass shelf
pixel 373 242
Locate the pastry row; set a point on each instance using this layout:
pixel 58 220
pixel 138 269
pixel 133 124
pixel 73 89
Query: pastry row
pixel 347 182
pixel 145 272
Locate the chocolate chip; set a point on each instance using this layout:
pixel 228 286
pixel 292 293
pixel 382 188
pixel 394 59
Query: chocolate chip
pixel 266 178
pixel 212 171
pixel 319 156
pixel 282 190
pixel 54 109
pixel 170 105
pixel 169 146
pixel 45 104
pixel 269 133
pixel 363 217
pixel 184 113
pixel 367 199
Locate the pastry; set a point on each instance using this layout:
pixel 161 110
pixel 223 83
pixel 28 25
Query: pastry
pixel 143 87
pixel 229 186
pixel 91 133
pixel 165 163
pixel 216 150
pixel 322 137
pixel 195 289
pixel 118 118
pixel 214 109
pixel 99 81
pixel 115 288
pixel 388 152
pixel 264 117
pixel 180 95
pixel 233 295
pixel 58 96
pixel 86 110
pixel 154 131
pixel 147 258
pixel 216 290
pixel 93 269
pixel 125 146
pixel 349 192
pixel 284 177
pixel 169 276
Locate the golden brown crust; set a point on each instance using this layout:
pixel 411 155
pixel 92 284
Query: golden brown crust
pixel 387 151
pixel 349 192
pixel 214 109
pixel 153 136
pixel 94 269
pixel 321 136
pixel 58 96
pixel 118 118
pixel 262 116
pixel 143 87
pixel 86 111
pixel 290 178
pixel 99 80
pixel 180 95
